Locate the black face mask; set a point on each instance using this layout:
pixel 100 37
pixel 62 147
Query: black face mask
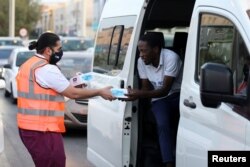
pixel 55 57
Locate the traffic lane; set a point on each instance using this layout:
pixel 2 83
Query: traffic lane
pixel 16 155
pixel 75 143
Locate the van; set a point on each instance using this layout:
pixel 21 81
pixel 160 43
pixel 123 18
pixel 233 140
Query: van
pixel 212 38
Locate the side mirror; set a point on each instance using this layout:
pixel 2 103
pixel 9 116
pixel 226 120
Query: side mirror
pixel 216 86
pixel 7 66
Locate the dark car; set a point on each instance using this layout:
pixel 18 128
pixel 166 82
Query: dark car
pixel 76 43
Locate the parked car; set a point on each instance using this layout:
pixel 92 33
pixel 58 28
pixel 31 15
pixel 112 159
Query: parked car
pixel 11 41
pixel 76 43
pixel 16 59
pixel 71 63
pixel 5 52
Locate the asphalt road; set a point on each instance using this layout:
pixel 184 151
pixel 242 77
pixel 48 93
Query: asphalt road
pixel 16 155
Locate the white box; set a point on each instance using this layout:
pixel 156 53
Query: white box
pixel 119 93
pixel 81 79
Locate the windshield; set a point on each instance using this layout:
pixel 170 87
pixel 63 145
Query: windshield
pixel 71 65
pixel 11 42
pixel 76 44
pixel 5 53
pixel 22 57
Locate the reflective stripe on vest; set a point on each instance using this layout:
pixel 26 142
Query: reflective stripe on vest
pixel 40 96
pixel 41 112
pixel 31 95
pixel 39 109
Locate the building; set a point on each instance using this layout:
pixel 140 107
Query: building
pixel 98 6
pixel 71 18
pixel 47 21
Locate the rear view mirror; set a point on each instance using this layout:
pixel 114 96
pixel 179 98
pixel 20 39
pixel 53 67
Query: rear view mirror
pixel 7 66
pixel 216 86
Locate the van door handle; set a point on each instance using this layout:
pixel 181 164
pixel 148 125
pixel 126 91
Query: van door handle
pixel 189 104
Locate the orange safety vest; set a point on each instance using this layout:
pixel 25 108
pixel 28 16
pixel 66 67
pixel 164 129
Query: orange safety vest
pixel 39 109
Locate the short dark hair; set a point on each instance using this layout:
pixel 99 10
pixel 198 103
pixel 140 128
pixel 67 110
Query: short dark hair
pixel 154 39
pixel 47 39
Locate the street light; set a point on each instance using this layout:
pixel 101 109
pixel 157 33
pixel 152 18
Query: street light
pixel 12 18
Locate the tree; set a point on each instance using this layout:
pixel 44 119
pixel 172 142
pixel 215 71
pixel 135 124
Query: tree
pixel 27 13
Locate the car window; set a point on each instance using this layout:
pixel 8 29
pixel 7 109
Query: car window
pixel 71 65
pixel 22 57
pixel 76 44
pixel 5 53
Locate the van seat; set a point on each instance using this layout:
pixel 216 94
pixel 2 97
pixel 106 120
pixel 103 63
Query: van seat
pixel 159 35
pixel 179 44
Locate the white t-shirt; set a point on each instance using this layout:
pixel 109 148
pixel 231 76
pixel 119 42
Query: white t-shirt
pixel 170 65
pixel 50 76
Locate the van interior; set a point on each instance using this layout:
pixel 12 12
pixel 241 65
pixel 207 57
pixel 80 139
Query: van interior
pixel 170 19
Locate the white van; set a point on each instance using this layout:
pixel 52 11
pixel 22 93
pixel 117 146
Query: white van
pixel 214 113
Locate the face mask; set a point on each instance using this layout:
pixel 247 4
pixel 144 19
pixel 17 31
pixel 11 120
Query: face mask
pixel 55 57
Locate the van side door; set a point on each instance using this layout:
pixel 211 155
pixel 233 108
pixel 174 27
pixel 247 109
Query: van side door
pixel 218 37
pixel 109 123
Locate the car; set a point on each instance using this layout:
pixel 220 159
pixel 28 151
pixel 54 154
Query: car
pixel 76 111
pixel 11 41
pixel 16 59
pixel 5 52
pixel 76 43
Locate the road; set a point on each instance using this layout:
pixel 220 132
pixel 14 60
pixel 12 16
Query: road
pixel 16 155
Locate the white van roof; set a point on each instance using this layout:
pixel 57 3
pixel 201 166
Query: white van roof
pixel 121 8
pixel 236 4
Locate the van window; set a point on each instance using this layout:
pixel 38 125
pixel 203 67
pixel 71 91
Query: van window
pixel 112 43
pixel 115 44
pixel 221 42
pixel 169 34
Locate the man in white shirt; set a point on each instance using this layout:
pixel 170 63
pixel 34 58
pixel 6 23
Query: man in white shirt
pixel 160 71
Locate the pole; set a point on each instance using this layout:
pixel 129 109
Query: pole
pixel 11 18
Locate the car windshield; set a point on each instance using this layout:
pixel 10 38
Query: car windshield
pixel 76 44
pixel 11 42
pixel 5 53
pixel 71 65
pixel 23 56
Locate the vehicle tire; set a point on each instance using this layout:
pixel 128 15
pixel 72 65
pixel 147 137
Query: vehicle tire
pixel 6 93
pixel 13 100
